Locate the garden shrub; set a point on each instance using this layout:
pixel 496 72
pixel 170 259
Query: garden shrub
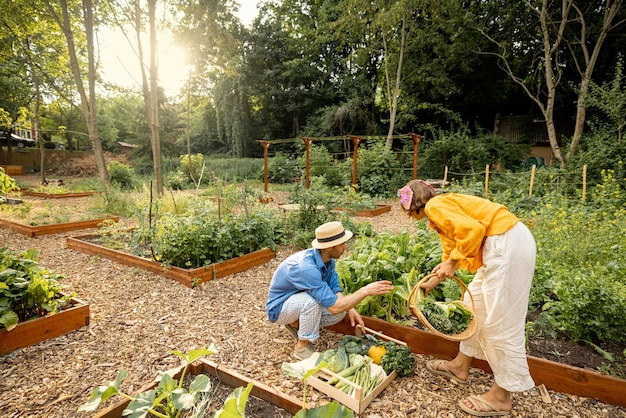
pixel 282 169
pixel 464 154
pixel 177 180
pixel 195 167
pixel 322 164
pixel 377 165
pixel 121 175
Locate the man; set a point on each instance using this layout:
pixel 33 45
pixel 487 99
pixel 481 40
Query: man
pixel 305 293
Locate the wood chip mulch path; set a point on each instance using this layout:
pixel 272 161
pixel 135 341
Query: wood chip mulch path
pixel 138 318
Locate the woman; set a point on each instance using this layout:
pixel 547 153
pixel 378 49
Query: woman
pixel 488 240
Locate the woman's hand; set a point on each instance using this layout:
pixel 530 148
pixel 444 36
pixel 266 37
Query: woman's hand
pixel 446 269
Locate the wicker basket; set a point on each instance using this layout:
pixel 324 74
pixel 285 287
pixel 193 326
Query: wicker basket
pixel 418 293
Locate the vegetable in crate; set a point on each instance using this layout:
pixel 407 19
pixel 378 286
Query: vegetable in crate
pixel 446 317
pixel 397 357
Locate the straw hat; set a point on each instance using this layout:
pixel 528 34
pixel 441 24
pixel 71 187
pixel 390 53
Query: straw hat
pixel 330 234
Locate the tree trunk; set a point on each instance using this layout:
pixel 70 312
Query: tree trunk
pixel 37 129
pixel 88 99
pixel 552 80
pixel 154 100
pixel 393 99
pixel 610 11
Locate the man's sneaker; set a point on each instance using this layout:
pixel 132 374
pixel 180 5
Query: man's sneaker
pixel 303 353
pixel 292 330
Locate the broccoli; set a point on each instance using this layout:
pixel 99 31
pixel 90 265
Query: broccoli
pixel 446 317
pixel 398 357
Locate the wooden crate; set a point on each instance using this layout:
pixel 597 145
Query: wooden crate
pixel 358 403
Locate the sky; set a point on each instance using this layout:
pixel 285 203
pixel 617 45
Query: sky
pixel 120 65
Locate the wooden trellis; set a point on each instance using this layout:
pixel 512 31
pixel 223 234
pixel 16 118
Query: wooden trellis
pixel 356 140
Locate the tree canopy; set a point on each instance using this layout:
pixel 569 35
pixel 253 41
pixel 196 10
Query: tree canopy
pixel 324 68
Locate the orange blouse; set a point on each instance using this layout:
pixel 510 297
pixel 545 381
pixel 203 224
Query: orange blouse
pixel 463 222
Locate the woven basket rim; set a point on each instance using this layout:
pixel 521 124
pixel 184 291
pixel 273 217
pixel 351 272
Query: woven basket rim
pixel 416 295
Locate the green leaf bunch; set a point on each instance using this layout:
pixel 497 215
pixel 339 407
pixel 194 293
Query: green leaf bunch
pixel 27 290
pixel 7 183
pixel 402 259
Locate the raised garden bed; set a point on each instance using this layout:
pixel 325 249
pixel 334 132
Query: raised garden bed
pixel 225 376
pixel 39 329
pixel 555 376
pixel 33 231
pixel 369 213
pixel 13 170
pixel 188 277
pixel 378 210
pixel 26 192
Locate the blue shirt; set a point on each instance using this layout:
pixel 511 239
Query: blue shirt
pixel 304 271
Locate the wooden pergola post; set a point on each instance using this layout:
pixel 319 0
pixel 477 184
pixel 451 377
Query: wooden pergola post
pixel 265 146
pixel 355 143
pixel 307 169
pixel 416 142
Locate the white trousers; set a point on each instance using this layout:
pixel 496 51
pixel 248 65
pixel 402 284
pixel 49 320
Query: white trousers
pixel 501 289
pixel 312 316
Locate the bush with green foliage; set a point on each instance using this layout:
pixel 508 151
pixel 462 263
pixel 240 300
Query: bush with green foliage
pixel 177 180
pixel 322 164
pixel 283 169
pixel 195 167
pixel 465 154
pixel 377 166
pixel 121 175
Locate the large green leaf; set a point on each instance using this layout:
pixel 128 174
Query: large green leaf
pixel 102 393
pixel 141 406
pixel 235 404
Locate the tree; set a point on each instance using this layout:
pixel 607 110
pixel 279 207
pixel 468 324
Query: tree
pixel 87 96
pixel 559 29
pixel 610 98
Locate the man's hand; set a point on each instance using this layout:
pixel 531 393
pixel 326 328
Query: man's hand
pixel 355 318
pixel 348 302
pixel 379 288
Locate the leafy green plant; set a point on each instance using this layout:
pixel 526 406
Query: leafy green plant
pixel 7 184
pixel 121 175
pixel 402 258
pixel 170 398
pixel 27 290
pixel 192 234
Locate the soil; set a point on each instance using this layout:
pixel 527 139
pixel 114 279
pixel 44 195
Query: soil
pixel 138 318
